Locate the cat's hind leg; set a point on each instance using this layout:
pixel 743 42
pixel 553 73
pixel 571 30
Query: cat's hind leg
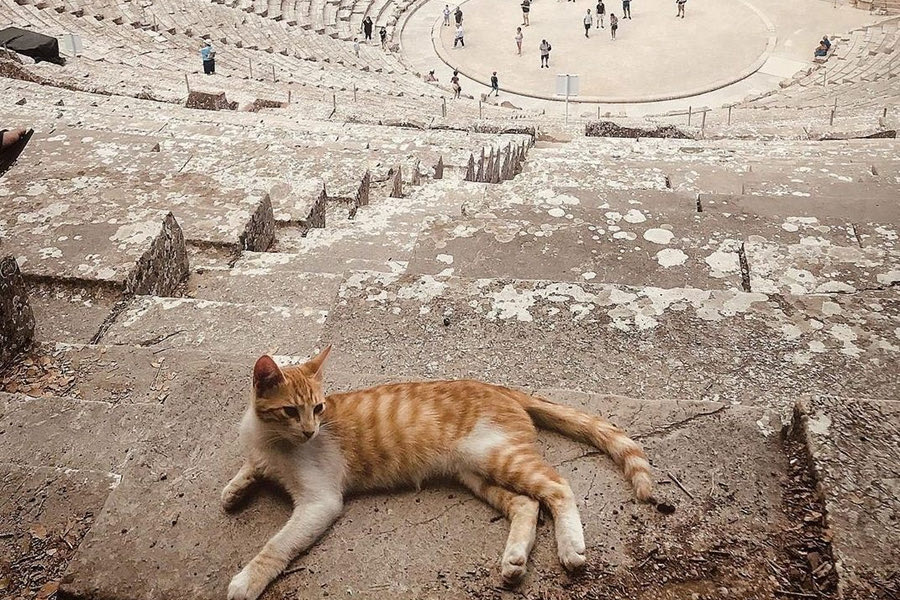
pixel 235 490
pixel 308 521
pixel 521 468
pixel 522 513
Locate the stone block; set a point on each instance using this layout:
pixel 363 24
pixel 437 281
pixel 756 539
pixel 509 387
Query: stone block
pixel 16 316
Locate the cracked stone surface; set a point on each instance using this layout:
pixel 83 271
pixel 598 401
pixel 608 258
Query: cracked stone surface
pixel 855 449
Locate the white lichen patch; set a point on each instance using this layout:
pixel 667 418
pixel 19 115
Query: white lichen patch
pixel 671 257
pixel 658 236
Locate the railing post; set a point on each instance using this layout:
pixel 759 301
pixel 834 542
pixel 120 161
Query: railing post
pixel 273 74
pixel 289 96
pixel 334 100
pixel 833 110
pixel 690 111
pixel 479 109
pixel 729 114
pixel 250 63
pixel 703 123
pixel 598 113
pixel 444 107
pixel 884 113
pixel 354 92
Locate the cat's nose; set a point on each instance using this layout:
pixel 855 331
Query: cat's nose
pixel 309 434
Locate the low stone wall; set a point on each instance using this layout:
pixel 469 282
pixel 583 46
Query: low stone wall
pixel 209 101
pixel 16 318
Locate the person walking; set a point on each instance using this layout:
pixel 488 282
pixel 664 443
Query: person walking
pixel 458 16
pixel 588 22
pixel 356 46
pixel 626 9
pixel 383 35
pixel 446 15
pixel 495 84
pixel 680 4
pixel 208 56
pixel 367 28
pixel 545 53
pixel 458 37
pixel 613 24
pixel 454 83
pixel 519 38
pixel 526 9
pixel 601 12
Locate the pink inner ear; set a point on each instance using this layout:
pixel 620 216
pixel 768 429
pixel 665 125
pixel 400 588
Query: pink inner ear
pixel 266 373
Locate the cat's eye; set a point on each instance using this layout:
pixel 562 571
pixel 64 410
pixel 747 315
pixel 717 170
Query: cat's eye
pixel 317 410
pixel 291 411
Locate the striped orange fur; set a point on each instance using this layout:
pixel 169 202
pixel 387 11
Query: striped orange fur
pixel 320 448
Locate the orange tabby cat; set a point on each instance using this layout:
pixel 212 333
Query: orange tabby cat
pixel 321 447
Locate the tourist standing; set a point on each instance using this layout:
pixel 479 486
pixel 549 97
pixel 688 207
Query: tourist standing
pixel 680 4
pixel 367 27
pixel 458 37
pixel 588 22
pixel 526 8
pixel 454 83
pixel 626 9
pixel 458 16
pixel 208 55
pixel 356 46
pixel 383 35
pixel 545 53
pixel 446 15
pixel 613 24
pixel 601 12
pixel 519 38
pixel 495 84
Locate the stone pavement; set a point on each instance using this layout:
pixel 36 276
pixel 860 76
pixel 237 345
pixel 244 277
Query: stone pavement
pixel 701 294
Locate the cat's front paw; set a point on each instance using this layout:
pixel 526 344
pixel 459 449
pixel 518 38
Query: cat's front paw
pixel 231 497
pixel 243 587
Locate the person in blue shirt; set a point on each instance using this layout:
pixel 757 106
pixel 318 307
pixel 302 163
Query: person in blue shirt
pixel 208 55
pixel 826 42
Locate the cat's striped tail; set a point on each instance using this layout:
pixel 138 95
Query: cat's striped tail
pixel 596 431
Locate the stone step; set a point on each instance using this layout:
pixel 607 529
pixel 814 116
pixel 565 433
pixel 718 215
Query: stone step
pixel 639 341
pixel 639 246
pixel 854 446
pixel 247 285
pixel 217 326
pixel 76 237
pixel 122 205
pixel 70 312
pixel 380 234
pixel 168 504
pixel 45 513
pixel 869 205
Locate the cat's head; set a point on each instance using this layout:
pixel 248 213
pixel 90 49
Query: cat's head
pixel 290 401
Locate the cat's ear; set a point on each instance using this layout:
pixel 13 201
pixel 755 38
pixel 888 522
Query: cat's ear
pixel 266 375
pixel 314 366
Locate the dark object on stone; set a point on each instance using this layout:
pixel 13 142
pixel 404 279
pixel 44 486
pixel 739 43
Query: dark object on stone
pixel 30 43
pixel 610 129
pixel 16 318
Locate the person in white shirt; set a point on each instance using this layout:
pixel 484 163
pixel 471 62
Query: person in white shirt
pixel 458 37
pixel 588 22
pixel 446 15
